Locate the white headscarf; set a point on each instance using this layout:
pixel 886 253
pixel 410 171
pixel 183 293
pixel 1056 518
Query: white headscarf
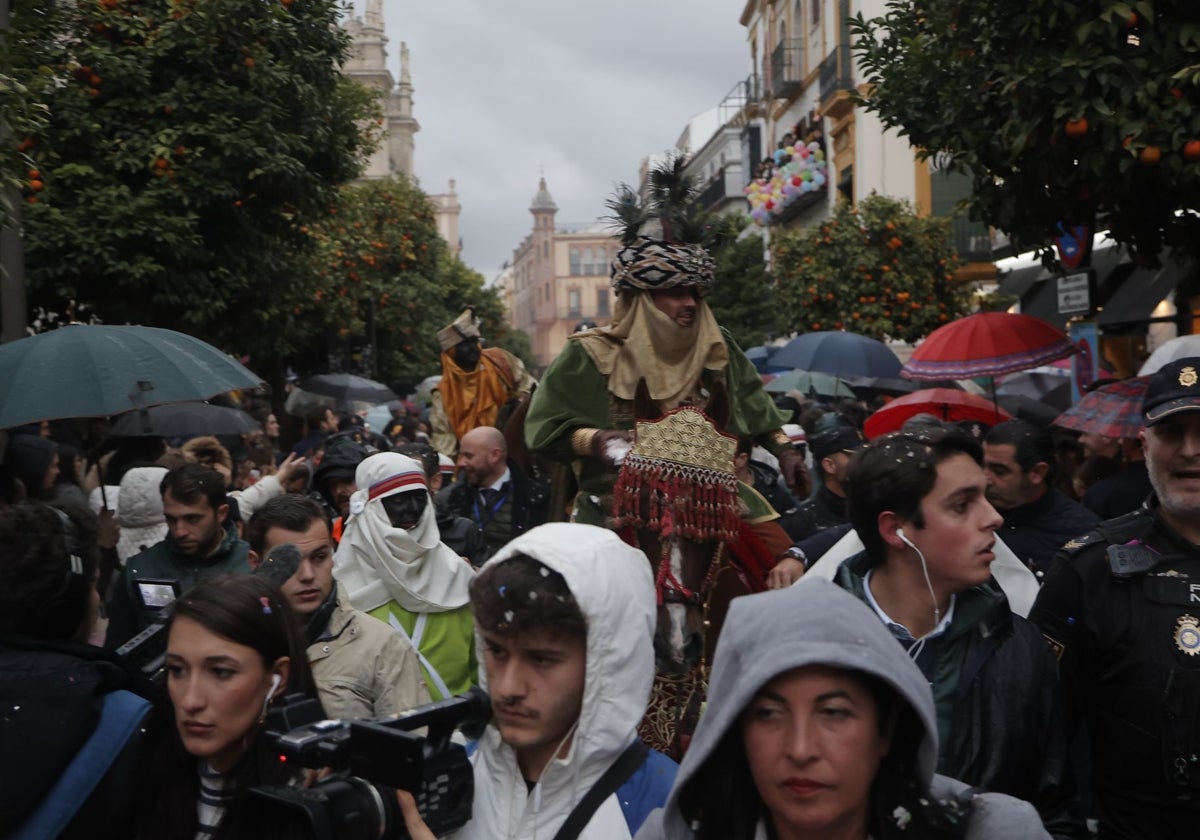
pixel 377 562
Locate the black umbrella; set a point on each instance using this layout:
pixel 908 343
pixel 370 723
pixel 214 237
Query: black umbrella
pixel 346 388
pixel 184 420
pixel 865 387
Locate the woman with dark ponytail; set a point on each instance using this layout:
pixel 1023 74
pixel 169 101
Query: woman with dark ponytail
pixel 233 649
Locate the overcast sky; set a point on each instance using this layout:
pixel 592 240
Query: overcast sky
pixel 584 90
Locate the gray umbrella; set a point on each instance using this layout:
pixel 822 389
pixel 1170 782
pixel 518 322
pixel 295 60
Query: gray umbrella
pixel 184 420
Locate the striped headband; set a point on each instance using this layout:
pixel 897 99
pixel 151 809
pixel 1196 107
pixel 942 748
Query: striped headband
pixel 396 482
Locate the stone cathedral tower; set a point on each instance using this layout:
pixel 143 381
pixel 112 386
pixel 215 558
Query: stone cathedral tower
pixel 368 64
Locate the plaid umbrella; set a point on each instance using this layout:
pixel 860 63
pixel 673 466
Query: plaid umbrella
pixel 987 344
pixel 1113 410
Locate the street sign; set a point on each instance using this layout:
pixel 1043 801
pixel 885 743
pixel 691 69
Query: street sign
pixel 1074 293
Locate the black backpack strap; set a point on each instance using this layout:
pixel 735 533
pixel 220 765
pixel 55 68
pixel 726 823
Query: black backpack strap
pixel 617 774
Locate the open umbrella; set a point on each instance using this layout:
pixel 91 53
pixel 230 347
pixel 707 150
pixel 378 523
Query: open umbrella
pixel 1113 410
pixel 807 382
pixel 347 388
pixel 839 353
pixel 188 419
pixel 86 370
pixel 763 359
pixel 1050 389
pixel 1183 347
pixel 943 403
pixel 866 387
pixel 987 344
pixel 1027 408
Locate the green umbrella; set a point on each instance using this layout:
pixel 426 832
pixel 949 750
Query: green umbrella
pixel 85 370
pixel 810 382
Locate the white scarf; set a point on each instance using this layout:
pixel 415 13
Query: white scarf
pixel 377 562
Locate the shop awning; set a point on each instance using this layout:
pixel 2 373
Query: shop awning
pixel 1135 299
pixel 1020 280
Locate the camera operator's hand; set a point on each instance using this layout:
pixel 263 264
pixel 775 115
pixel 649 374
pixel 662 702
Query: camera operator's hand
pixel 108 531
pixel 413 823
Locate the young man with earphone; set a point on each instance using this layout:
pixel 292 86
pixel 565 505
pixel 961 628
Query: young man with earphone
pixel 919 502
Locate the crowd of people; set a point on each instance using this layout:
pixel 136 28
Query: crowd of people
pixel 968 631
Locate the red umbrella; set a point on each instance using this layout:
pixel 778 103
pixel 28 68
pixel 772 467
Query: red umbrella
pixel 987 344
pixel 1114 410
pixel 942 403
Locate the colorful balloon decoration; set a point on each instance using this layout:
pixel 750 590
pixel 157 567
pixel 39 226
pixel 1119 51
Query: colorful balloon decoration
pixel 806 172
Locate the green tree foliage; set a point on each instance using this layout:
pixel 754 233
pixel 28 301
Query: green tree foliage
pixel 189 144
pixel 380 251
pixel 1059 109
pixel 879 270
pixel 742 297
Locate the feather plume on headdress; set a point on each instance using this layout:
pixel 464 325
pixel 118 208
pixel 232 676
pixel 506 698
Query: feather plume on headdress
pixel 678 256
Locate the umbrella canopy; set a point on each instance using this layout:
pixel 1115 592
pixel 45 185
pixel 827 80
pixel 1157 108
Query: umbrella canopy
pixel 987 344
pixel 1184 347
pixel 86 370
pixel 1027 408
pixel 839 353
pixel 807 382
pixel 1113 410
pixel 1051 389
pixel 347 388
pixel 943 403
pixel 763 359
pixel 866 387
pixel 185 420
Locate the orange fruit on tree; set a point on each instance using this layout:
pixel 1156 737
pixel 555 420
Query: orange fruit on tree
pixel 1150 155
pixel 1191 150
pixel 1077 127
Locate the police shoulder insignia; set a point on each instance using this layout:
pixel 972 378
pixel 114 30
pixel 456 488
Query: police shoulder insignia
pixel 1187 634
pixel 1187 376
pixel 1056 647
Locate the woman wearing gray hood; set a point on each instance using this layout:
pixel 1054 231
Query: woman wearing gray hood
pixel 818 726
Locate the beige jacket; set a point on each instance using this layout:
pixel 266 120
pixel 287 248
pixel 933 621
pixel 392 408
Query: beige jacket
pixel 363 668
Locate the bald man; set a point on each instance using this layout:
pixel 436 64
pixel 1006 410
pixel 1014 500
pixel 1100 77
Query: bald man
pixel 492 491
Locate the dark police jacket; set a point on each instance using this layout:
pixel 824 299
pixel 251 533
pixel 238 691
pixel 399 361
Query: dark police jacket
pixel 820 511
pixel 525 506
pixel 1121 610
pixel 1037 530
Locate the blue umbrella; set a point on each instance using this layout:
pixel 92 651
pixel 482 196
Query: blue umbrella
pixel 839 353
pixel 764 359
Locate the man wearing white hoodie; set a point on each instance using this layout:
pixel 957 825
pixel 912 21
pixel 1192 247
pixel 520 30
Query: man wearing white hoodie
pixel 564 622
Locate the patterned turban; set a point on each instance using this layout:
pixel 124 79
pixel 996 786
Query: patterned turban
pixel 650 264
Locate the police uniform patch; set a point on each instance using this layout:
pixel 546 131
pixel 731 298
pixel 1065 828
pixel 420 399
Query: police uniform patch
pixel 1056 647
pixel 1187 634
pixel 1187 377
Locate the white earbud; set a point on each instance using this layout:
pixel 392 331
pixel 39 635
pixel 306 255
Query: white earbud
pixel 276 679
pixel 937 614
pixel 900 536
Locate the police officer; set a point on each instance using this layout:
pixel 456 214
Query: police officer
pixel 834 439
pixel 1121 610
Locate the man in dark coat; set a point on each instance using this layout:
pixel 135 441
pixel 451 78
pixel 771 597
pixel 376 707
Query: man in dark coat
pixel 494 492
pixel 833 441
pixel 918 501
pixel 1038 519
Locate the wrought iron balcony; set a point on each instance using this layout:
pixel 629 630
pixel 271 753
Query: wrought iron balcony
pixel 786 69
pixel 837 74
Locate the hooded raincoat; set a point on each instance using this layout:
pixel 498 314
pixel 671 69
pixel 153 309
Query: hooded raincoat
pixel 816 623
pixel 612 584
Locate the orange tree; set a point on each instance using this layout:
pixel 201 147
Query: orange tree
pixel 188 144
pixel 879 270
pixel 1060 110
pixel 380 257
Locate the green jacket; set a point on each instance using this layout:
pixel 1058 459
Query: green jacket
pixel 164 561
pixel 574 395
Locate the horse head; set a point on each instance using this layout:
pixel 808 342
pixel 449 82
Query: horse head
pixel 676 499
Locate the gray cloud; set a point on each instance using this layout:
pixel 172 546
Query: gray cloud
pixel 505 88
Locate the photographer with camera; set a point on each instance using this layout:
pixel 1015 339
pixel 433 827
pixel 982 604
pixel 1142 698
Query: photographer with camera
pixel 565 620
pixel 70 732
pixel 361 666
pixel 233 649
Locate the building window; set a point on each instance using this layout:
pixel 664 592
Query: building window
pixel 588 262
pixel 602 303
pixel 546 249
pixel 574 303
pixel 576 262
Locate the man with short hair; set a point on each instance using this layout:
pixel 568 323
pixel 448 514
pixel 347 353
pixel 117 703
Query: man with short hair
pixel 1119 609
pixel 201 542
pixel 566 618
pixel 393 565
pixel 918 501
pixel 321 422
pixel 494 492
pixel 361 666
pixel 1038 519
pixel 834 439
pixel 478 384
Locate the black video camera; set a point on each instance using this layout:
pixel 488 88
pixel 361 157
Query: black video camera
pixel 372 757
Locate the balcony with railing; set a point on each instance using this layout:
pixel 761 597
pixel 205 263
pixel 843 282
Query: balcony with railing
pixel 740 100
pixel 786 69
pixel 836 80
